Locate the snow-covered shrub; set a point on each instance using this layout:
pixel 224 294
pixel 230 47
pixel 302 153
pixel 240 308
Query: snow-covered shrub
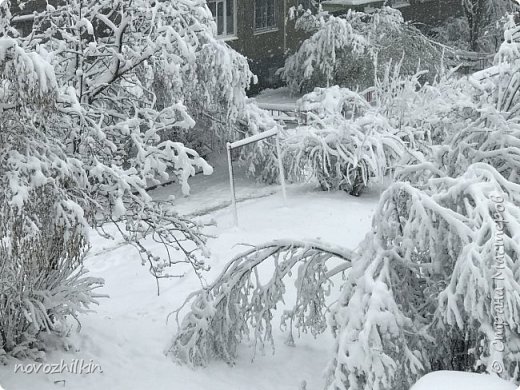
pixel 43 212
pixel 492 139
pixel 344 142
pixel 345 50
pixel 426 115
pixel 240 303
pixel 260 158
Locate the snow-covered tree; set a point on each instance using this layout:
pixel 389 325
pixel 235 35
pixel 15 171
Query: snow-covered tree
pixel 94 104
pixel 345 50
pixel 133 55
pixel 483 18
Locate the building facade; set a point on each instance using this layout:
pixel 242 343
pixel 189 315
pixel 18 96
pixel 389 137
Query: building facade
pixel 260 30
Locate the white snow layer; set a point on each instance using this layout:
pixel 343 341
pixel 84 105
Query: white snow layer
pixel 455 380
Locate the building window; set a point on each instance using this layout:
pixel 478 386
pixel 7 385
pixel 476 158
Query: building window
pixel 265 15
pixel 224 12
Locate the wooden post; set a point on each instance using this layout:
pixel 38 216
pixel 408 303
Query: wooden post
pixel 246 141
pixel 232 185
pixel 280 167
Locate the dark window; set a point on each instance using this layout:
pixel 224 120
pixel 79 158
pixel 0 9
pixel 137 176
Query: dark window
pixel 224 13
pixel 265 14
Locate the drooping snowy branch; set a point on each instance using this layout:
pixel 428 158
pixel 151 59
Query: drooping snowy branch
pixel 240 302
pixel 427 274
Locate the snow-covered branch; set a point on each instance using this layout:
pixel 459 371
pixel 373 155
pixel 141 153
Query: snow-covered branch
pixel 241 301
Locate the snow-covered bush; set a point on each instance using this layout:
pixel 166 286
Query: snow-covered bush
pixel 43 213
pixel 426 280
pixel 427 115
pixel 259 159
pixel 343 143
pixel 345 50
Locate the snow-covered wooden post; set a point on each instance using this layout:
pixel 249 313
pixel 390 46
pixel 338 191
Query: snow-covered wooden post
pixel 247 141
pixel 232 184
pixel 280 167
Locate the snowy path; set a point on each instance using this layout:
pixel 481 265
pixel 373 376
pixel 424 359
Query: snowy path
pixel 209 193
pixel 127 334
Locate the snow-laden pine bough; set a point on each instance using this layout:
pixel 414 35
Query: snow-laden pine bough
pixel 240 302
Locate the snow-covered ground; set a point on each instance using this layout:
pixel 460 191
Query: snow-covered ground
pixel 281 98
pixel 452 380
pixel 128 333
